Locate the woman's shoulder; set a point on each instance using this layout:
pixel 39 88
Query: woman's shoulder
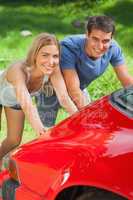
pixel 17 65
pixel 16 71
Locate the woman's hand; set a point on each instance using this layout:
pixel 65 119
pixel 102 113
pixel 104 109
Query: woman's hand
pixel 42 132
pixel 47 133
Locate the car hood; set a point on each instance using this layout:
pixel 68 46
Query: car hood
pixel 99 124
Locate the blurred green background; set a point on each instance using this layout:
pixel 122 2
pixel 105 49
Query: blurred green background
pixel 61 17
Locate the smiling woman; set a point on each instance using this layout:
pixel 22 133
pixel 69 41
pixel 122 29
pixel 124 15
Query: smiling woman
pixel 25 79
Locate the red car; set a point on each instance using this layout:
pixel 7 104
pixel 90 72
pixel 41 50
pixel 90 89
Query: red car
pixel 87 156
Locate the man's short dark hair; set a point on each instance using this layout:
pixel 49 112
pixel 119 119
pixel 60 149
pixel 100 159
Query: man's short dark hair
pixel 103 23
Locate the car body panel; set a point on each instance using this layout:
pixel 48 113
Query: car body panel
pixel 22 193
pixel 93 147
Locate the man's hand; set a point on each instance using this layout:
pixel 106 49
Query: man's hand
pixel 124 77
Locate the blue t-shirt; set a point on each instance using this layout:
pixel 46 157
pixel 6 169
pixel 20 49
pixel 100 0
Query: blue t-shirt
pixel 73 56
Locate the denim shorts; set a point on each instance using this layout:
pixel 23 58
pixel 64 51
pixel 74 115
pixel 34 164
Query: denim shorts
pixel 16 107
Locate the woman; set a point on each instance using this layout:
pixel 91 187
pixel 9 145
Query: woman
pixel 25 79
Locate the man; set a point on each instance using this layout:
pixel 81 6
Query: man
pixel 86 57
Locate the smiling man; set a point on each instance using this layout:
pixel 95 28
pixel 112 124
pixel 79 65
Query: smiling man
pixel 84 58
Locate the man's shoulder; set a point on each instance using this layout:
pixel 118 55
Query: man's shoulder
pixel 115 54
pixel 73 40
pixel 73 44
pixel 114 44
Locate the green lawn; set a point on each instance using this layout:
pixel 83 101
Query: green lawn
pixel 41 16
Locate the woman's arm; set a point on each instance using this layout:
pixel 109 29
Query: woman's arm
pixel 24 98
pixel 61 91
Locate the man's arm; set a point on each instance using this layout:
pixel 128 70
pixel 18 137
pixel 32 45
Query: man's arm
pixel 123 75
pixel 73 87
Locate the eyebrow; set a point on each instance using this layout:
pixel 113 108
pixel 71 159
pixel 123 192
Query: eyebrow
pixel 47 53
pixel 107 39
pixel 44 52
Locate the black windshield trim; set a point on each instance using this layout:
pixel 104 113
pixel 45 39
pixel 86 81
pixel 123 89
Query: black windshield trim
pixel 119 100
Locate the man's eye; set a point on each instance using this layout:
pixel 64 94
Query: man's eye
pixel 106 41
pixel 95 39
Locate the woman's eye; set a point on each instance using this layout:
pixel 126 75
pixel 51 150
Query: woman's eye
pixel 56 56
pixel 44 55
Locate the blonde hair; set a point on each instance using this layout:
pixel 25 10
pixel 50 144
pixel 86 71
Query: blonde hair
pixel 41 40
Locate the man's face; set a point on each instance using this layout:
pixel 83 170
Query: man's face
pixel 97 43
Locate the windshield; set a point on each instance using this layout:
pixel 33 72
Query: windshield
pixel 123 99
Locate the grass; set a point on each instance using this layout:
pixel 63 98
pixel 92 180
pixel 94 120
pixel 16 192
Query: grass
pixel 48 16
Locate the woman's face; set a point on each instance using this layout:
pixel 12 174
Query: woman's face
pixel 47 59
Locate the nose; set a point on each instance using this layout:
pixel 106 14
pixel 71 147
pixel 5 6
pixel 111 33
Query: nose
pixel 100 45
pixel 51 61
